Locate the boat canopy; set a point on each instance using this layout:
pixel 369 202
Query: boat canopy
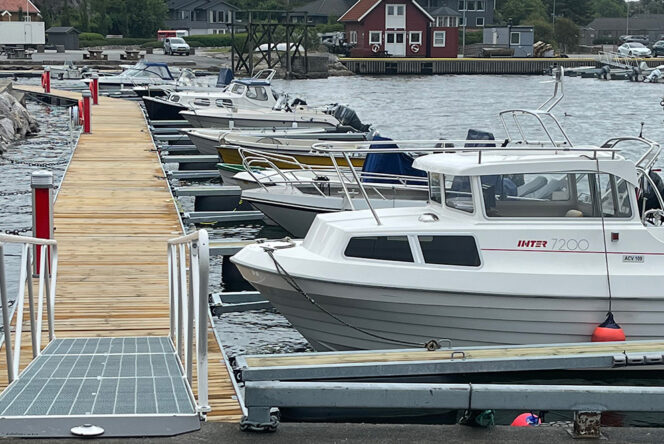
pixel 151 68
pixel 252 82
pixel 505 162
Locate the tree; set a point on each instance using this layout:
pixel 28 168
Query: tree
pixel 566 33
pixel 609 8
pixel 543 31
pixel 518 10
pixel 579 11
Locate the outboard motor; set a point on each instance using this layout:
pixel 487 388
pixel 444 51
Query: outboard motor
pixel 225 77
pixel 348 117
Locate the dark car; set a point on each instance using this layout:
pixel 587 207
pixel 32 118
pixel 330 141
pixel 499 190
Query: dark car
pixel 644 40
pixel 658 48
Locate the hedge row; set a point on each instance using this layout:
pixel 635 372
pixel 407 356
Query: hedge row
pixel 85 43
pixel 196 41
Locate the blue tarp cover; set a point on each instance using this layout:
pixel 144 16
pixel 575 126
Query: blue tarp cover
pixel 398 164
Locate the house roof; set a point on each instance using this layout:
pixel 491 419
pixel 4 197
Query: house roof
pixel 16 5
pixel 649 22
pixel 62 30
pixel 361 8
pixel 326 8
pixel 444 11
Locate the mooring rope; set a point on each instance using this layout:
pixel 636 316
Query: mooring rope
pixel 430 345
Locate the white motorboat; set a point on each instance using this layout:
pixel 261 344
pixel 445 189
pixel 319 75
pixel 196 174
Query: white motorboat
pixel 141 74
pixel 513 248
pixel 208 139
pixel 253 93
pixel 529 242
pixel 69 71
pixel 301 116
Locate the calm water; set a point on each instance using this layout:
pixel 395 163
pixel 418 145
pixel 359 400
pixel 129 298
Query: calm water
pixel 417 107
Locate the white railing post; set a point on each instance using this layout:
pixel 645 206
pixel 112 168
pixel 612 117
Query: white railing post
pixel 189 307
pixel 6 320
pixel 48 266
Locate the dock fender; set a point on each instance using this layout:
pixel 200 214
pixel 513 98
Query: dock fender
pixel 80 112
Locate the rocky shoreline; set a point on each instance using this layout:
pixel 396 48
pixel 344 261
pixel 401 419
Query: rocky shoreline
pixel 16 123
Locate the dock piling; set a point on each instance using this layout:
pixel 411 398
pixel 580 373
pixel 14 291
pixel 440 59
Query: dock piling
pixel 41 183
pixel 87 112
pixel 94 88
pixel 46 80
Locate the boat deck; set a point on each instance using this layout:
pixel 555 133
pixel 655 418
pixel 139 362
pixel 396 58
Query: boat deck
pixel 113 215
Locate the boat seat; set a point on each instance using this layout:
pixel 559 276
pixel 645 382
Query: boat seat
pixel 532 186
pixel 546 191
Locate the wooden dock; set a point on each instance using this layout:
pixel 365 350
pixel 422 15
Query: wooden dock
pixel 113 215
pixel 496 65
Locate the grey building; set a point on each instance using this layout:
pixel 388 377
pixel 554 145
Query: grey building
pixel 476 13
pixel 200 16
pixel 609 29
pixel 519 38
pixel 321 11
pixel 66 36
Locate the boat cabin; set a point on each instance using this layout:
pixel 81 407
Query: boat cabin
pixel 249 93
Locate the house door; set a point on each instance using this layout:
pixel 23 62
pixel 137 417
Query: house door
pixel 395 43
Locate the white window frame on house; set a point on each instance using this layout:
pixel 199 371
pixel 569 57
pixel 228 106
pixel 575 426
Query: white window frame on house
pixel 480 5
pixel 418 40
pixel 518 34
pixel 436 33
pixel 477 22
pixel 462 5
pixel 461 22
pixel 470 3
pixel 397 18
pixel 352 37
pixel 371 39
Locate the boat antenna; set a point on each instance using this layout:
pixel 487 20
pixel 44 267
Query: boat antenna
pixel 641 132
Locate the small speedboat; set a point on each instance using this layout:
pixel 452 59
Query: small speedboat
pixel 141 74
pixel 69 71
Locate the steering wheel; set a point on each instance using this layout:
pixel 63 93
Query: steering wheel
pixel 654 217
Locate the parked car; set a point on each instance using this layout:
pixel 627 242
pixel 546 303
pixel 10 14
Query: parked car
pixel 176 45
pixel 643 39
pixel 634 49
pixel 658 48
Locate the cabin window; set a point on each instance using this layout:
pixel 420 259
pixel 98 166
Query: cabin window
pixel 257 93
pixel 238 89
pixel 352 37
pixel 202 102
pixel 458 193
pixel 175 99
pixel 515 38
pixel 439 38
pixel 435 193
pixel 415 37
pixel 450 250
pixel 385 248
pixel 479 21
pixel 375 37
pixel 223 103
pixel 555 195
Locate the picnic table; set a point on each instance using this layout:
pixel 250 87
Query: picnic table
pixel 130 54
pixel 95 54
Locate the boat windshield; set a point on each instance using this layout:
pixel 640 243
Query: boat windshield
pixel 556 195
pixel 458 193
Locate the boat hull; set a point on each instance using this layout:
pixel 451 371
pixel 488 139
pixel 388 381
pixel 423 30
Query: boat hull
pixel 204 145
pixel 413 316
pixel 160 109
pixel 202 121
pixel 232 155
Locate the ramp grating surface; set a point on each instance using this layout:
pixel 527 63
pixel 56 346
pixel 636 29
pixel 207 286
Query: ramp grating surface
pixel 101 376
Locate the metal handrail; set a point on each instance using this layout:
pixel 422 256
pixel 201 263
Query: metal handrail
pixel 188 298
pixel 47 250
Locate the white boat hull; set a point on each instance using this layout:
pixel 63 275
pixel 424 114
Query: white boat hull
pixel 405 317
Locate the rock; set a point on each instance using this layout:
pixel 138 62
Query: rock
pixel 15 121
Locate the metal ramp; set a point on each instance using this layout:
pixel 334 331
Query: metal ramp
pixel 124 386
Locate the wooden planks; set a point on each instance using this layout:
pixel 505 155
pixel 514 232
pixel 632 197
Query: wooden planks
pixel 470 353
pixel 113 216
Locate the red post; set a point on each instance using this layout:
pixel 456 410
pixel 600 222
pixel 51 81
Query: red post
pixel 87 112
pixel 41 183
pixel 46 80
pixel 94 88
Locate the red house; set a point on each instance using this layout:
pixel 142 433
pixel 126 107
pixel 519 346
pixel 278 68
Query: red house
pixel 400 28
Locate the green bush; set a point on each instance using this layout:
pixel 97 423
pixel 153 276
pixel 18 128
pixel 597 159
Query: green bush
pixel 153 44
pixel 472 37
pixel 606 41
pixel 115 42
pixel 90 36
pixel 333 27
pixel 213 40
pixel 92 43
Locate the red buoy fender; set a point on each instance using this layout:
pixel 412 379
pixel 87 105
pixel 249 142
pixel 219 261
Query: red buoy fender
pixel 526 420
pixel 608 331
pixel 80 112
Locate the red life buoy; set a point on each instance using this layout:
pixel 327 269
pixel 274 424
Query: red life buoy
pixel 415 47
pixel 375 48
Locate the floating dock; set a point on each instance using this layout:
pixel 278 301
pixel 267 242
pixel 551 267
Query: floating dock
pixel 113 216
pixel 496 65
